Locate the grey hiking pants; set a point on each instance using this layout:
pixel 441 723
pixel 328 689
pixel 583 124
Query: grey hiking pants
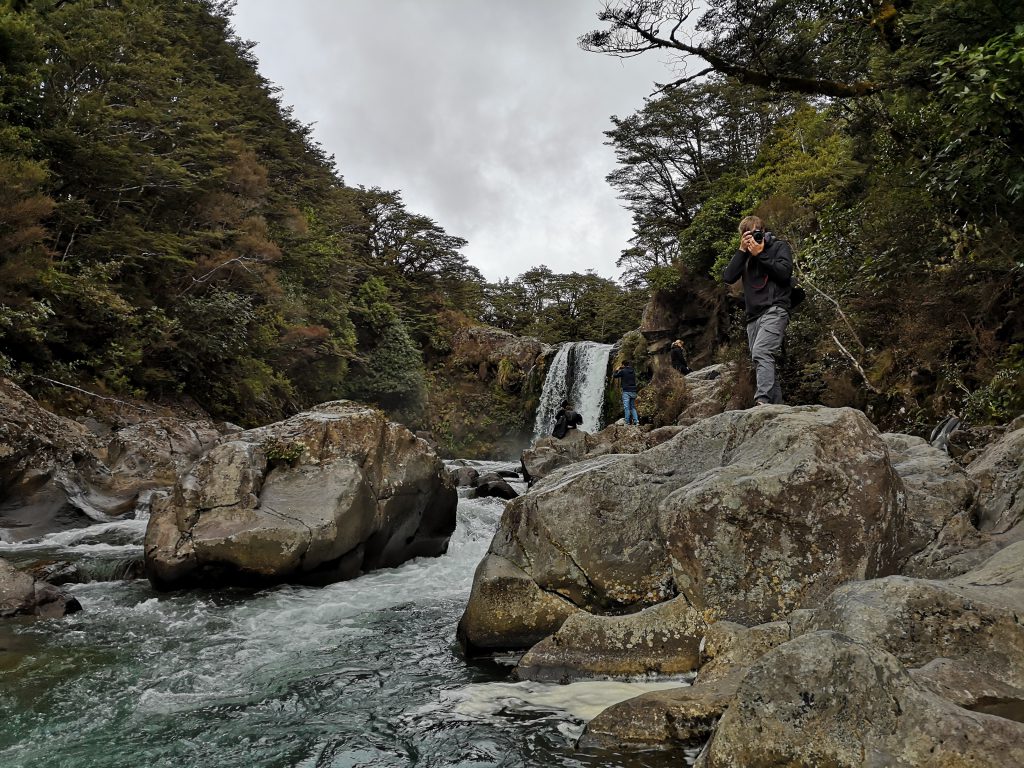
pixel 764 335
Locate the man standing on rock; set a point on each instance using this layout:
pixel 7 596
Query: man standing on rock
pixel 627 377
pixel 766 265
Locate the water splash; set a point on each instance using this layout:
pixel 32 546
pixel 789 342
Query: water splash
pixel 578 372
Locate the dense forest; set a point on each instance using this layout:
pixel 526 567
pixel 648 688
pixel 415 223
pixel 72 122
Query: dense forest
pixel 883 139
pixel 168 229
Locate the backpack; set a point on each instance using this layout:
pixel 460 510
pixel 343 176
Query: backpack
pixel 796 293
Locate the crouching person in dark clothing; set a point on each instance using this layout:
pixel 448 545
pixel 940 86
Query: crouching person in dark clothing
pixel 766 265
pixel 565 419
pixel 677 354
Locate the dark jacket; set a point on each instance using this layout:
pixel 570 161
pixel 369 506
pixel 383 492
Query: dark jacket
pixel 767 278
pixel 678 357
pixel 566 419
pixel 628 376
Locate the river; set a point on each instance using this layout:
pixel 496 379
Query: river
pixel 360 673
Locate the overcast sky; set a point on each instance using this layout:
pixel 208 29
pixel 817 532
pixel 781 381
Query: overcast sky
pixel 484 113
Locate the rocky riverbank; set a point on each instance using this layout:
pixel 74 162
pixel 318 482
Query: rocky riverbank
pixel 323 496
pixel 844 597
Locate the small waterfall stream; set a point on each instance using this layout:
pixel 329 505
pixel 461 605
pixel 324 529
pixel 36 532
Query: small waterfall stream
pixel 577 373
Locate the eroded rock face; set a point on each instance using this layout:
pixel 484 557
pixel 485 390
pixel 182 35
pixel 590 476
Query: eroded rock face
pixel 747 515
pixel 55 473
pixel 40 456
pixel 999 472
pixel 22 595
pixel 826 699
pixel 489 346
pixel 322 496
pixel 941 503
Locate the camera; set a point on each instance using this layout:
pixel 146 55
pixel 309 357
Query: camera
pixel 758 235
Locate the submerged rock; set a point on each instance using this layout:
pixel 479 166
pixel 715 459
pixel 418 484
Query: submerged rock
pixel 319 497
pixel 23 595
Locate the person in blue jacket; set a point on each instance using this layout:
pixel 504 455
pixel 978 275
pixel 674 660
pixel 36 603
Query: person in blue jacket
pixel 766 265
pixel 627 377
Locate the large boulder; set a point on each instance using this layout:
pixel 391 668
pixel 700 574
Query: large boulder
pixel 550 453
pixel 23 595
pixel 660 640
pixel 747 515
pixel 827 699
pixel 319 497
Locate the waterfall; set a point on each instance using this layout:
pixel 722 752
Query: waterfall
pixel 577 373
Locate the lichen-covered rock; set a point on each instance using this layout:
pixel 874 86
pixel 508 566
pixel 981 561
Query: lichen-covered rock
pixel 747 515
pixel 677 717
pixel 801 500
pixel 999 472
pixel 740 651
pixel 507 610
pixel 708 391
pixel 319 497
pixel 23 595
pixel 973 619
pixel 661 640
pixel 972 689
pixel 824 699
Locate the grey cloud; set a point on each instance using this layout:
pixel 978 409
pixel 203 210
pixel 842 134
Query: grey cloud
pixel 484 113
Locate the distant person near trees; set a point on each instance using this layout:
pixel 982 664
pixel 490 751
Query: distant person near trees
pixel 627 378
pixel 766 265
pixel 678 356
pixel 565 419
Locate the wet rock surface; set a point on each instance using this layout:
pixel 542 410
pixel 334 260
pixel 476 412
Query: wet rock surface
pixel 23 595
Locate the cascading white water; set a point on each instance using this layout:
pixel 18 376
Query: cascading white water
pixel 577 374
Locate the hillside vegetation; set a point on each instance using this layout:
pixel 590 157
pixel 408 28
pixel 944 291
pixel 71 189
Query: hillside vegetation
pixel 885 141
pixel 169 230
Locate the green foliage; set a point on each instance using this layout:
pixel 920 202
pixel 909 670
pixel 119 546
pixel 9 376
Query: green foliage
pixel 982 125
pixel 1002 398
pixel 168 228
pixel 901 193
pixel 562 307
pixel 281 451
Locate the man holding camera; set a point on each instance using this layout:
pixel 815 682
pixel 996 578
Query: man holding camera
pixel 766 265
